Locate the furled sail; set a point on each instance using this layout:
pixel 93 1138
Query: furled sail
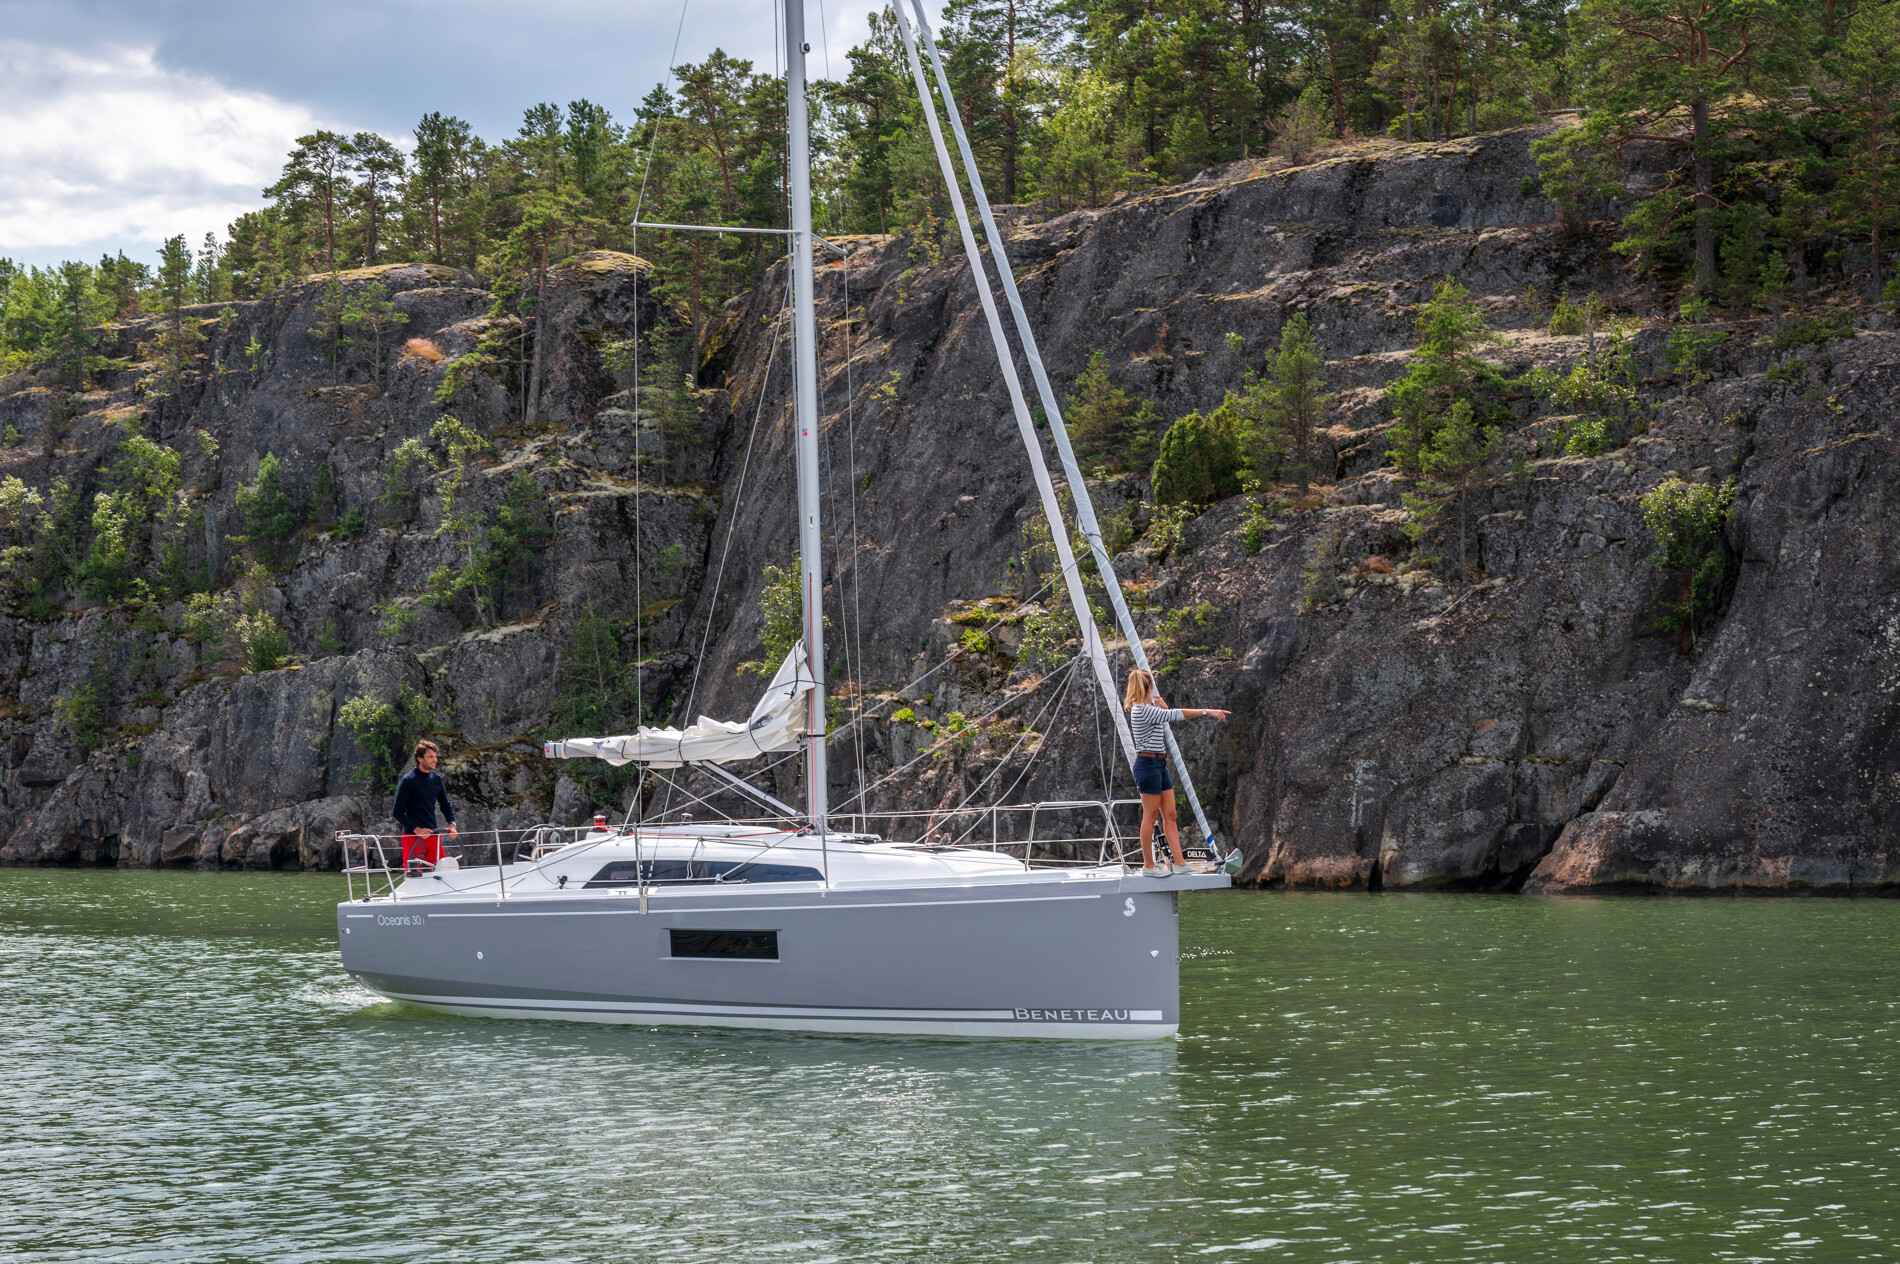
pixel 777 724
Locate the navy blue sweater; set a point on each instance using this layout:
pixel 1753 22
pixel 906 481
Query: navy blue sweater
pixel 416 796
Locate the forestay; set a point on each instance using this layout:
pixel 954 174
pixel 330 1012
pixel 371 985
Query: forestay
pixel 776 724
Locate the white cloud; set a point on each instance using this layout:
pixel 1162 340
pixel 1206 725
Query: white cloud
pixel 106 148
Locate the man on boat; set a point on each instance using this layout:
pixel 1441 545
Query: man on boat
pixel 417 794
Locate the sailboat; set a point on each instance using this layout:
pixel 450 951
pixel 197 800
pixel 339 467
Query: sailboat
pixel 792 921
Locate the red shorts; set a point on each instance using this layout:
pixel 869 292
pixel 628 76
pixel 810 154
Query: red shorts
pixel 422 848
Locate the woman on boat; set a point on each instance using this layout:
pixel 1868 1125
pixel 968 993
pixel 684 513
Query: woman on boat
pixel 1149 717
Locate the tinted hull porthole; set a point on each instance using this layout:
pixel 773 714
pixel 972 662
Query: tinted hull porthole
pixel 726 945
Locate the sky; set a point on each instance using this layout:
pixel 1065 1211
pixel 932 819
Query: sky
pixel 123 122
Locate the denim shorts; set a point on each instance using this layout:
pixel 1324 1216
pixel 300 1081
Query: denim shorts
pixel 1151 775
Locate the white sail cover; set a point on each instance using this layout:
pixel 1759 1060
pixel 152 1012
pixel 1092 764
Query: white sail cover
pixel 777 724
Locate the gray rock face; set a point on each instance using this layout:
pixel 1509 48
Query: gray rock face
pixel 1522 726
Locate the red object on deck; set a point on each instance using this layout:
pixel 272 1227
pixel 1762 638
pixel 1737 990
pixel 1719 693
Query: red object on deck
pixel 427 848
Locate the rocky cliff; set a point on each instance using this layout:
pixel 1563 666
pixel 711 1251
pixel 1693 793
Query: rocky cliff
pixel 1521 725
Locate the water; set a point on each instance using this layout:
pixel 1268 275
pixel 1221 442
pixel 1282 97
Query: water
pixel 186 1075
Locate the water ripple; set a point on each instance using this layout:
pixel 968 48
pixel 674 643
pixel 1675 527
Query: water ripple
pixel 190 1077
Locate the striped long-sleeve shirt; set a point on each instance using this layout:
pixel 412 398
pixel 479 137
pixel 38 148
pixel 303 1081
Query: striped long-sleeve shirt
pixel 1150 724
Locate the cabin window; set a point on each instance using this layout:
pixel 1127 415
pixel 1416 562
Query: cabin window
pixel 747 872
pixel 623 873
pixel 743 945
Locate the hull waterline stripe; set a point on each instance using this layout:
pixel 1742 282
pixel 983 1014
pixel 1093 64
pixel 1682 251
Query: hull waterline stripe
pixel 844 1026
pixel 742 1011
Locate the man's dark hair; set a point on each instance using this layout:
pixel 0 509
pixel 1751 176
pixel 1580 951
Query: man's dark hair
pixel 425 745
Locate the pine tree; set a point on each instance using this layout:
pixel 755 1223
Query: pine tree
pixel 316 181
pixel 368 316
pixel 1445 369
pixel 1455 460
pixel 120 280
pixel 443 151
pixel 269 515
pixel 76 307
pixel 1108 426
pixel 210 281
pixel 1679 72
pixel 181 336
pixel 1294 401
pixel 328 331
pixel 1868 195
pixel 379 167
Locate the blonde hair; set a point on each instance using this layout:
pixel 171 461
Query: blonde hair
pixel 1141 687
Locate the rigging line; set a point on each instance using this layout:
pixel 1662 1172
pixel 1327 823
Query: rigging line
pixel 956 651
pixel 824 36
pixel 668 781
pixel 851 449
pixel 1006 362
pixel 852 624
pixel 933 747
pixel 1084 509
pixel 1101 752
pixel 646 174
pixel 691 797
pixel 738 500
pixel 1034 726
pixel 828 467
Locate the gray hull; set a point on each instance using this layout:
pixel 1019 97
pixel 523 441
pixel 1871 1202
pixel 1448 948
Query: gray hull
pixel 1055 957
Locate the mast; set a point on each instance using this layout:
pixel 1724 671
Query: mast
pixel 805 407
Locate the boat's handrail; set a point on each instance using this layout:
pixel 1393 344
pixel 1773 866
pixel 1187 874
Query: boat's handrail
pixel 377 858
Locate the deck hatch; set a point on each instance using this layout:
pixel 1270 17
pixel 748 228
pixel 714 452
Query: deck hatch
pixel 744 945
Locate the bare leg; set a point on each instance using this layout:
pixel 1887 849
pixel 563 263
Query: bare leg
pixel 1172 830
pixel 1150 809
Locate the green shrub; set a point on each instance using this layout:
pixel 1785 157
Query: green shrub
pixel 1175 631
pixel 398 619
pixel 387 731
pixel 1690 340
pixel 1255 526
pixel 207 623
pixel 265 643
pixel 1109 428
pixel 80 715
pixel 783 615
pixel 1589 437
pixel 233 624
pixel 1320 583
pixel 904 715
pixel 1574 318
pixel 1200 462
pixel 1686 520
pixel 1813 331
pixel 1167 531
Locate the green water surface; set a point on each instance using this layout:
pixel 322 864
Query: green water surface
pixel 186 1075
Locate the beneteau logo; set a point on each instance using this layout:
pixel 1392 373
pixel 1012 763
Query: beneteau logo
pixel 1072 1015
